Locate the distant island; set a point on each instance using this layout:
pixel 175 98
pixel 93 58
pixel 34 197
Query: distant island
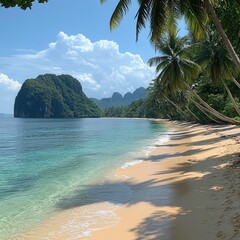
pixel 52 96
pixel 6 115
pixel 117 100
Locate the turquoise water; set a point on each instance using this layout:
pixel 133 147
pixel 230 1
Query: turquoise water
pixel 43 161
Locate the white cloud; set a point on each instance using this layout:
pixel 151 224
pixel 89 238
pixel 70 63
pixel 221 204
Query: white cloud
pixel 8 91
pixel 87 78
pixel 9 83
pixel 100 66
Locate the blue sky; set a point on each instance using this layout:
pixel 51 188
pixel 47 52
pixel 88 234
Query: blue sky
pixel 72 37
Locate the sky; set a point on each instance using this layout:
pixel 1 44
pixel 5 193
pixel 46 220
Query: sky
pixel 73 37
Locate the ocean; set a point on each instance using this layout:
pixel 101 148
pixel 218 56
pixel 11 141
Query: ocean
pixel 44 162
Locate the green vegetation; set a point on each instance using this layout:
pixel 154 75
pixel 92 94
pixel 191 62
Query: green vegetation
pixel 51 96
pixel 178 107
pixel 23 4
pixel 197 75
pixel 138 109
pixel 162 16
pixel 196 81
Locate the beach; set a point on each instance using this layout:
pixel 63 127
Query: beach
pixel 187 188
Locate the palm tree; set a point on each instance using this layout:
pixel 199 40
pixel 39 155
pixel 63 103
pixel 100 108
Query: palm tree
pixel 213 16
pixel 176 71
pixel 174 66
pixel 193 94
pixel 177 100
pixel 228 12
pixel 203 109
pixel 216 63
pixel 162 14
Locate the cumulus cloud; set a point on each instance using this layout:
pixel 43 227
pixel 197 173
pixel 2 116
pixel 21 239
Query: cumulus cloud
pixel 100 66
pixel 8 91
pixel 10 84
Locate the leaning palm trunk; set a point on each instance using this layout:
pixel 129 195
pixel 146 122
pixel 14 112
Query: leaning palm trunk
pixel 179 110
pixel 193 114
pixel 222 33
pixel 211 110
pixel 231 97
pixel 236 82
pixel 204 110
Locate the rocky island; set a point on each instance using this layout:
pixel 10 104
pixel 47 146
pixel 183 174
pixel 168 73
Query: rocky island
pixel 52 96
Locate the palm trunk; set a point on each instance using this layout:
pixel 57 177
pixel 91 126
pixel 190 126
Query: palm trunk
pixel 193 114
pixel 203 110
pixel 211 110
pixel 231 97
pixel 221 32
pixel 179 110
pixel 236 82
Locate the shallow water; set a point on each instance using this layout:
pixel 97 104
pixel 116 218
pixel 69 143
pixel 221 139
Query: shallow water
pixel 46 162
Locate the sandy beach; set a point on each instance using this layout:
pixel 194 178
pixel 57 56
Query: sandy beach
pixel 188 188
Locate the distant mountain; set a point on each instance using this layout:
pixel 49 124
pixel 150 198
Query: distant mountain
pixel 51 96
pixel 117 100
pixel 6 115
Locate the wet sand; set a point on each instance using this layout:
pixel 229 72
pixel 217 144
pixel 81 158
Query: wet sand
pixel 188 188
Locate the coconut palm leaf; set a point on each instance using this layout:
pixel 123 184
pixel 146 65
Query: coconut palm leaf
pixel 162 14
pixel 120 10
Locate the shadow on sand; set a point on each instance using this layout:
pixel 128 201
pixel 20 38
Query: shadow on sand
pixel 159 192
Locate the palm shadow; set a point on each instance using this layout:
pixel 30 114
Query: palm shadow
pixel 160 192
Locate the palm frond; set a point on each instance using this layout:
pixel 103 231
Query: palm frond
pixel 143 15
pixel 174 66
pixel 158 19
pixel 156 60
pixel 120 10
pixel 196 16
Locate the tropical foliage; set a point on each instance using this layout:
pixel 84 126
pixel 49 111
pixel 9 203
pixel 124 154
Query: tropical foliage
pixel 23 4
pixel 180 73
pixel 195 82
pixel 189 68
pixel 51 96
pixel 163 14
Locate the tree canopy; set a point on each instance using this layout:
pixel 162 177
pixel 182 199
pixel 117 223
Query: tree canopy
pixel 23 4
pixel 51 96
pixel 162 15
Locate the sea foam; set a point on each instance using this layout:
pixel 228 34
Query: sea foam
pixel 146 151
pixel 131 163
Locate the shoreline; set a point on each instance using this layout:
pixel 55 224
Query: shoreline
pixel 183 184
pixel 200 166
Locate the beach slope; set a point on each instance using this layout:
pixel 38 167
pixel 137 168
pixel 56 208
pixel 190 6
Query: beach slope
pixel 188 188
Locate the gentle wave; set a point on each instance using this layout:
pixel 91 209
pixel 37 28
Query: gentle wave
pixel 132 163
pixel 85 221
pixel 160 140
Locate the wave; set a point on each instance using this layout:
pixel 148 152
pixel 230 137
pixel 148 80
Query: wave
pixel 131 163
pixel 147 150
